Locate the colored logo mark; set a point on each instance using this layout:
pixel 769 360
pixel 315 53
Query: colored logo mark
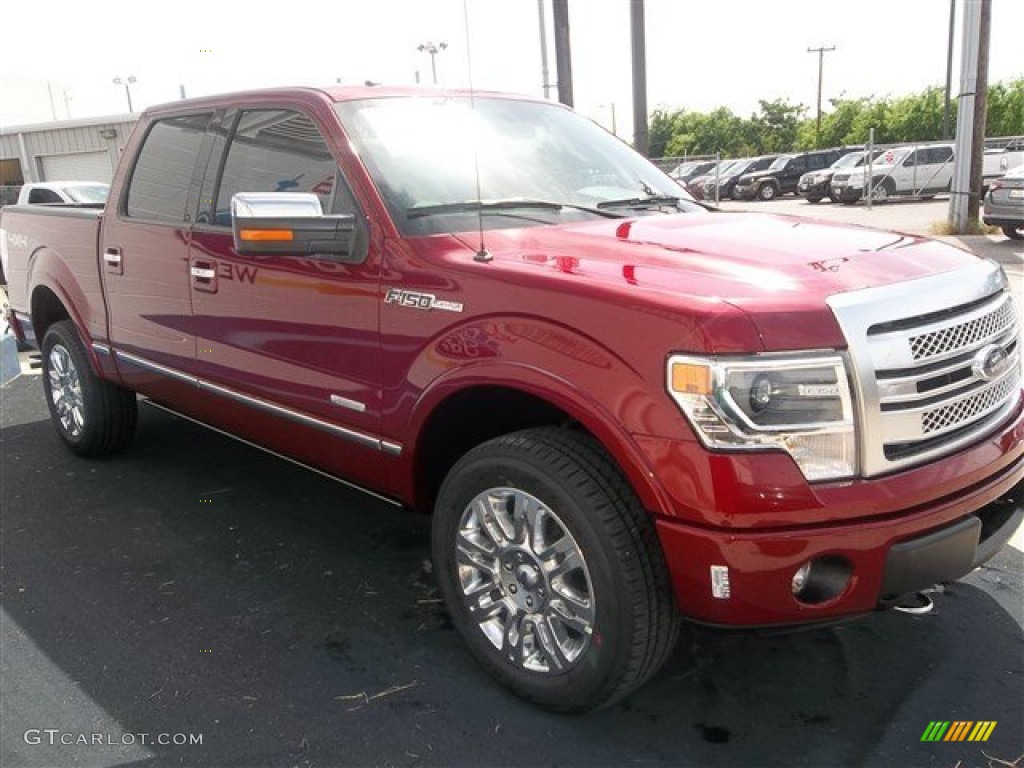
pixel 958 730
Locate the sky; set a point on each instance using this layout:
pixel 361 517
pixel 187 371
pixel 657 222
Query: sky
pixel 701 54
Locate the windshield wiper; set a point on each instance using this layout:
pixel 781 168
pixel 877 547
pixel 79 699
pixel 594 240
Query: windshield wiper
pixel 497 206
pixel 641 202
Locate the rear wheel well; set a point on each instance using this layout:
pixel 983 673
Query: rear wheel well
pixel 469 418
pixel 47 309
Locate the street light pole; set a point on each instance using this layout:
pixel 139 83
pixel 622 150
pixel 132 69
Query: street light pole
pixel 821 66
pixel 433 50
pixel 949 70
pixel 127 88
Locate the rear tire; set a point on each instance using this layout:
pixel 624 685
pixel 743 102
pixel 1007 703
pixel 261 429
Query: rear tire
pixel 92 416
pixel 814 200
pixel 552 571
pixel 1013 231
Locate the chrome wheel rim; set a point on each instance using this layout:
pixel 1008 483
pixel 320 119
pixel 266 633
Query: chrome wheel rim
pixel 524 581
pixel 881 193
pixel 66 391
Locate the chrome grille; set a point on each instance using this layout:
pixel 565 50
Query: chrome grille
pixel 936 363
pixel 963 410
pixel 963 335
pixel 841 177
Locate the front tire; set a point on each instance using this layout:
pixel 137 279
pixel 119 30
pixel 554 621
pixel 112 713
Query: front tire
pixel 551 570
pixel 92 416
pixel 767 191
pixel 883 191
pixel 1013 231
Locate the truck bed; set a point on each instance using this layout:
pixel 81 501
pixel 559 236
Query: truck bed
pixel 57 246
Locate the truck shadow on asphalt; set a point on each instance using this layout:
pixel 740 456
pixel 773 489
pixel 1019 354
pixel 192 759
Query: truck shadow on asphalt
pixel 193 584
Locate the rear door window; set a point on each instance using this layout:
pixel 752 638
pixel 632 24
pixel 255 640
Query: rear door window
pixel 163 173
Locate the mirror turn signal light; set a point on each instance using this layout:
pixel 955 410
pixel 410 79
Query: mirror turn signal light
pixel 265 234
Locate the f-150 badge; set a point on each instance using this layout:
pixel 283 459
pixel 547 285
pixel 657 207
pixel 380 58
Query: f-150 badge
pixel 424 301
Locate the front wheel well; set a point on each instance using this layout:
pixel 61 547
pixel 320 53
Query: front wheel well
pixel 467 419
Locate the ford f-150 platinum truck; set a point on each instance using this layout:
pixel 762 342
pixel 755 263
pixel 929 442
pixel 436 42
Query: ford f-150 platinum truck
pixel 619 407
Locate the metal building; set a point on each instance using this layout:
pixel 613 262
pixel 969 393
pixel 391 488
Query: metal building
pixel 85 150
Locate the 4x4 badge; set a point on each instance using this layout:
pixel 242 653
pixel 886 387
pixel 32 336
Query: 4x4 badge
pixel 416 300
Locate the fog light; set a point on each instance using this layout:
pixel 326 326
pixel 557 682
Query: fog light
pixel 800 578
pixel 822 579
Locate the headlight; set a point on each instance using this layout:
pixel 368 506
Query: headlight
pixel 800 404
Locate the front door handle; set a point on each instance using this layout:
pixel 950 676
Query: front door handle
pixel 112 260
pixel 204 276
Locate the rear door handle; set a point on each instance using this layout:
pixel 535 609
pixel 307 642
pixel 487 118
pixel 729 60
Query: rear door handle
pixel 112 260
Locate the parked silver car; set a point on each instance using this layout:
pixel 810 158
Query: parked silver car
pixel 1004 203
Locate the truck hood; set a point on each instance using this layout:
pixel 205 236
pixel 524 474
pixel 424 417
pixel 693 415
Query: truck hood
pixel 777 269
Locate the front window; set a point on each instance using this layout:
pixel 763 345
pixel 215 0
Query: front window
pixel 780 163
pixel 430 155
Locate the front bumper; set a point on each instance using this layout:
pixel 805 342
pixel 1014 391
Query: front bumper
pixel 895 535
pixel 819 190
pixel 744 192
pixel 847 194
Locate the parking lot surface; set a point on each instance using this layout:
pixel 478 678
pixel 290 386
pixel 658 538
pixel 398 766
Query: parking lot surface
pixel 193 585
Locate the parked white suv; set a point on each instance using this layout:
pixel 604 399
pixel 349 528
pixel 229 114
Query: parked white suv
pixel 921 171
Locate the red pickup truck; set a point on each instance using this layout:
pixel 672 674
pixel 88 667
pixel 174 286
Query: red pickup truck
pixel 621 408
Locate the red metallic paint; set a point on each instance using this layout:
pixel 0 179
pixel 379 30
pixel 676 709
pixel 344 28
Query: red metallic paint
pixel 583 316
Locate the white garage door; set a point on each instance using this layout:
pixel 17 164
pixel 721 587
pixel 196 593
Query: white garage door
pixel 80 166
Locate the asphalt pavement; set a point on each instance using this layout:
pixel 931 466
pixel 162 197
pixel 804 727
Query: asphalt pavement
pixel 193 586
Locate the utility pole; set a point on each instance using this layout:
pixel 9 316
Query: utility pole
pixel 544 74
pixel 980 111
pixel 637 30
pixel 949 69
pixel 563 51
pixel 965 192
pixel 821 67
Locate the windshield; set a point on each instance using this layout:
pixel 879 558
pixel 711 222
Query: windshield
pixel 739 167
pixel 432 152
pixel 780 162
pixel 88 193
pixel 851 160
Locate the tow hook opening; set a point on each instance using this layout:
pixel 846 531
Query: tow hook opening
pixel 916 603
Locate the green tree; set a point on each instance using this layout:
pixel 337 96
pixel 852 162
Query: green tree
pixel 776 125
pixel 1006 109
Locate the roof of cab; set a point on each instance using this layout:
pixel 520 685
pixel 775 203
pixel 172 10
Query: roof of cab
pixel 335 93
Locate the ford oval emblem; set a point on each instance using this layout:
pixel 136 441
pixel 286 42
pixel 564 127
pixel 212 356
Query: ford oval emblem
pixel 990 363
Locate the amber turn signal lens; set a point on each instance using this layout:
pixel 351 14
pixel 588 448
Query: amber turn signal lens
pixel 690 379
pixel 266 234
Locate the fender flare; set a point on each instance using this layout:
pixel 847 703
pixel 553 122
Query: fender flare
pixel 578 404
pixel 48 271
